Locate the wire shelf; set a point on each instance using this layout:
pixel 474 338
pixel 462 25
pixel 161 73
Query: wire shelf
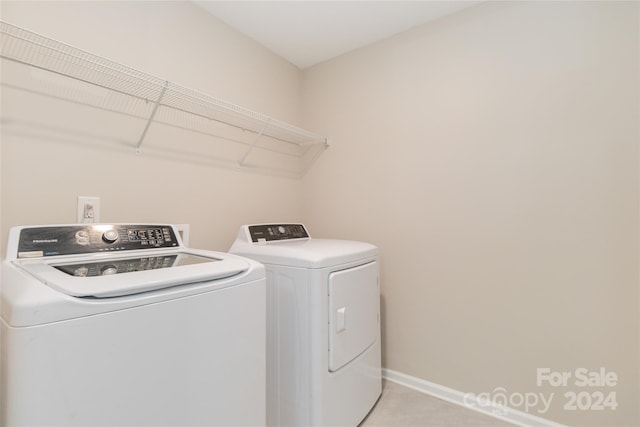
pixel 26 47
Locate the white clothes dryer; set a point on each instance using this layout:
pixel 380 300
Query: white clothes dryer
pixel 117 324
pixel 323 325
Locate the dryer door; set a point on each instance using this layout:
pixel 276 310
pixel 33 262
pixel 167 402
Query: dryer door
pixel 354 302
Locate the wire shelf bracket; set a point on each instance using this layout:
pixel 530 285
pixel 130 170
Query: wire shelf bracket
pixel 153 114
pixel 241 163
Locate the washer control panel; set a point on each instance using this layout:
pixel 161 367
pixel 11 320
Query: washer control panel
pixel 93 238
pixel 269 232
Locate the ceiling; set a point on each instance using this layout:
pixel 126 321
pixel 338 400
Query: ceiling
pixel 309 32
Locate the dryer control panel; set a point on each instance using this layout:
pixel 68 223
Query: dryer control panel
pixel 93 238
pixel 269 232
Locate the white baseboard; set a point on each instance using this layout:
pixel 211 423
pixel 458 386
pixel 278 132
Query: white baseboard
pixel 468 401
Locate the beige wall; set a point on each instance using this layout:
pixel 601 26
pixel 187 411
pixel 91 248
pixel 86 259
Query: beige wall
pixel 53 152
pixel 493 157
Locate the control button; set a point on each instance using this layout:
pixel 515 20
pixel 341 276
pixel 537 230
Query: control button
pixel 110 236
pixel 282 230
pixel 82 238
pixel 82 234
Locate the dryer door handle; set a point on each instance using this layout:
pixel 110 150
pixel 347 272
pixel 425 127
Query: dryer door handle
pixel 341 319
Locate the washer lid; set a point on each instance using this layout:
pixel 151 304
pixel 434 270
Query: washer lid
pixel 101 276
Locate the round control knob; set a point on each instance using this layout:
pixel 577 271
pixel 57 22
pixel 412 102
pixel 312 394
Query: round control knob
pixel 281 230
pixel 110 236
pixel 81 272
pixel 108 270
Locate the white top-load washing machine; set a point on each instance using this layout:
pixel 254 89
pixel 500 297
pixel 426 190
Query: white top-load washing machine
pixel 323 325
pixel 122 325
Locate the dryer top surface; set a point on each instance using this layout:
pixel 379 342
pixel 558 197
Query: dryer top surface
pixel 306 253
